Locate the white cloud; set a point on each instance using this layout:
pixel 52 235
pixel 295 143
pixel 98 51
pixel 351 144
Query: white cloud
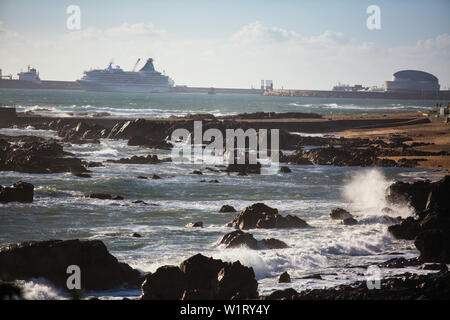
pixel 254 52
pixel 257 32
pixel 124 31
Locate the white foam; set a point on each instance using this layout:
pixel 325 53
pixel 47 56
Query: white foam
pixel 366 192
pixel 40 289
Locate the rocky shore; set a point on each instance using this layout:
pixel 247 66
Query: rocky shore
pixel 430 227
pixel 33 155
pixel 401 147
pixel 435 286
pixel 201 277
pixel 50 260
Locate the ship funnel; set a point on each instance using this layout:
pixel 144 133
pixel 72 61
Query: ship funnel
pixel 148 67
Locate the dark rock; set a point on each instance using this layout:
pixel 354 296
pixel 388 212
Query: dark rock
pixel 150 159
pixel 298 157
pixel 50 259
pixel 211 278
pixel 346 156
pixel 278 221
pixel 196 172
pixel 259 215
pixel 92 164
pixel 286 294
pixel 81 133
pixel 197 224
pixel 151 130
pixel 81 175
pixel 313 276
pixel 239 238
pixel 236 280
pixel 137 141
pixel 405 287
pixel 244 169
pixel 415 194
pixel 248 217
pixel 227 208
pixel 167 283
pixel 340 214
pixel 19 191
pixel 407 229
pixel 285 170
pixel 390 220
pixel 155 177
pixel 273 244
pixel 117 198
pixel 140 202
pixel 210 181
pixel 349 221
pixel 101 196
pixel 435 266
pixel 197 294
pixel 398 263
pixel 37 156
pixel 434 246
pixel 409 163
pixel 142 177
pixel 438 199
pixel 431 227
pixel 284 278
pixel 149 143
pixel 10 291
pixel 201 272
pixel 136 235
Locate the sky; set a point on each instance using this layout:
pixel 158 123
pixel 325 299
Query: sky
pixel 234 44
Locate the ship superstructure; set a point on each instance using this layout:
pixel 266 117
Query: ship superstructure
pixel 30 75
pixel 115 79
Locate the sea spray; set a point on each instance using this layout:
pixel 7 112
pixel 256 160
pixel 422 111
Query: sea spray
pixel 366 193
pixel 41 289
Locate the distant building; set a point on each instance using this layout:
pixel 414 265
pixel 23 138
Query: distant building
pixel 268 85
pixel 412 80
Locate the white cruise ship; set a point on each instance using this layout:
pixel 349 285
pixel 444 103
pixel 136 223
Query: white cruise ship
pixel 114 79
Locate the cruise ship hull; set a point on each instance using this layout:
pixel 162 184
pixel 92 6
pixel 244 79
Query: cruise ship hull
pixel 131 88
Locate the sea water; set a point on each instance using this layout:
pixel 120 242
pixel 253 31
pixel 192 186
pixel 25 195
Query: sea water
pixel 339 253
pixel 68 103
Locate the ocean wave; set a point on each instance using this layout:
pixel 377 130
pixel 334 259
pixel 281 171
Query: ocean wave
pixel 89 110
pixel 41 289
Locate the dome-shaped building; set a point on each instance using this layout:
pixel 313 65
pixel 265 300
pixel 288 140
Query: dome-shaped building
pixel 412 80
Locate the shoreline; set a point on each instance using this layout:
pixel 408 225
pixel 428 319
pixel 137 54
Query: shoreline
pixel 373 140
pixel 423 132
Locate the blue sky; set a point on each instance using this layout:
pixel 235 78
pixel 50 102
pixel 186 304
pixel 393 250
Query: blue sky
pixel 201 29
